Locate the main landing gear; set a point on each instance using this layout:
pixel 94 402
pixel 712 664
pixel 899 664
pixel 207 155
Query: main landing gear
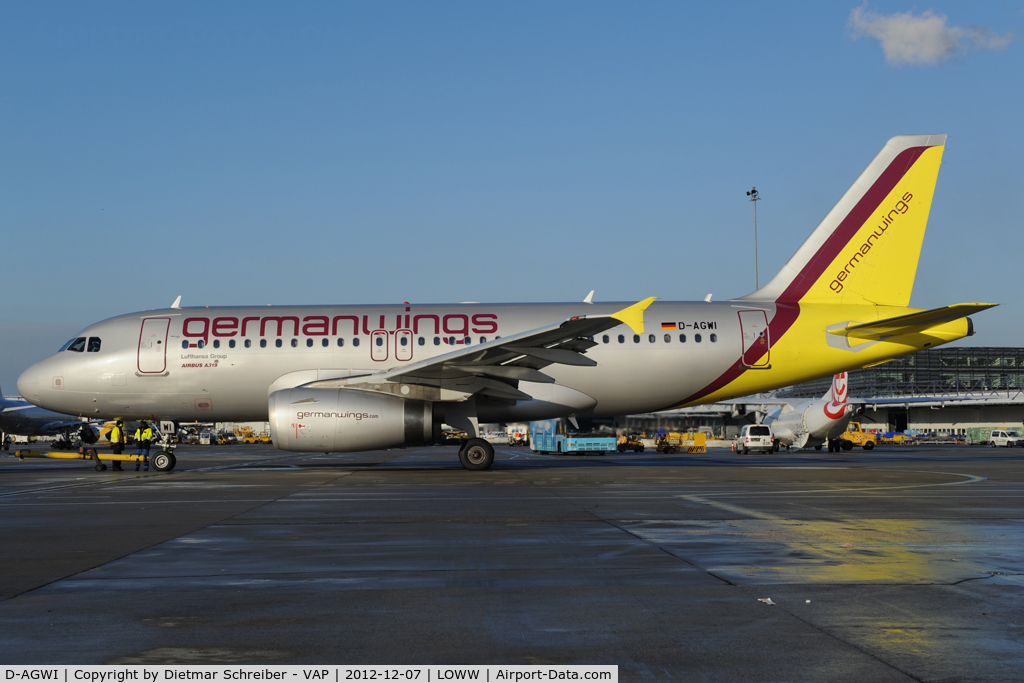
pixel 476 454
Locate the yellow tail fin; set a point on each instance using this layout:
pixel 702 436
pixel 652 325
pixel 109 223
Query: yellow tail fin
pixel 866 249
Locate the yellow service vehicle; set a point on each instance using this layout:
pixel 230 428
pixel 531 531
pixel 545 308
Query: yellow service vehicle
pixel 630 443
pixel 247 435
pixel 855 436
pixel 670 442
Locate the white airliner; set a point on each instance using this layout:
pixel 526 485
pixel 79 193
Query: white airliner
pixel 350 378
pixel 810 424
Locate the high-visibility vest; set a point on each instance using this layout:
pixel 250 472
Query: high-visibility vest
pixel 144 434
pixel 115 434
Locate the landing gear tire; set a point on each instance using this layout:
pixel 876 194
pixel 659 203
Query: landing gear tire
pixel 818 447
pixel 163 461
pixel 100 467
pixel 476 455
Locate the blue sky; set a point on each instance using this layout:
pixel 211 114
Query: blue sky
pixel 281 153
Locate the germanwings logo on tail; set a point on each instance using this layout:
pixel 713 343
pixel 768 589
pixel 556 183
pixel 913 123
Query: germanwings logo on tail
pixel 837 406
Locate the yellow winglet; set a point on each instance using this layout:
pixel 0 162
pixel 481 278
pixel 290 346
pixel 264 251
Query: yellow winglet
pixel 634 315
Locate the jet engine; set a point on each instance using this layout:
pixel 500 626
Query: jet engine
pixel 347 420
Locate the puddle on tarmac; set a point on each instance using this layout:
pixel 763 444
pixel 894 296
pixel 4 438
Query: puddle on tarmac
pixel 761 551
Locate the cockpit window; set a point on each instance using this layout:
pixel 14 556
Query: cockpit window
pixel 94 344
pixel 68 343
pixel 78 345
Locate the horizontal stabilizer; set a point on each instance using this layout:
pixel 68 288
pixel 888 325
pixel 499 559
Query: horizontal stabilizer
pixel 910 323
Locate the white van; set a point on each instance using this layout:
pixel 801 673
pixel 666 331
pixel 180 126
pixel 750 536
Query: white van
pixel 1004 437
pixel 755 438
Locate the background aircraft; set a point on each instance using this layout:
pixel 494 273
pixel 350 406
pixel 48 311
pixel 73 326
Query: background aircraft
pixel 18 416
pixel 807 424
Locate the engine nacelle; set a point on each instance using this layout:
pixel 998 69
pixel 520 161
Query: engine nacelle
pixel 347 420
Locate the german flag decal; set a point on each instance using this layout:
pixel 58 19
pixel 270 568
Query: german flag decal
pixel 668 326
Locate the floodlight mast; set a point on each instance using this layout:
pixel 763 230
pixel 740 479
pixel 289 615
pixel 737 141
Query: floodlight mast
pixel 754 197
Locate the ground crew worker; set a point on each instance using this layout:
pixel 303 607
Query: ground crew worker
pixel 143 435
pixel 117 437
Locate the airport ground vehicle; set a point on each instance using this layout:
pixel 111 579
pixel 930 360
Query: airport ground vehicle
pixel 756 438
pixel 630 442
pixel 247 435
pixel 855 436
pixel 518 437
pixel 551 436
pixel 226 439
pixel 670 442
pixel 894 438
pixel 1005 438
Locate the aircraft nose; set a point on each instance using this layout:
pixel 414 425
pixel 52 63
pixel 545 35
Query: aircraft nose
pixel 29 383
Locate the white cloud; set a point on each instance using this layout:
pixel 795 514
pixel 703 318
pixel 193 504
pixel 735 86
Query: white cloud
pixel 923 39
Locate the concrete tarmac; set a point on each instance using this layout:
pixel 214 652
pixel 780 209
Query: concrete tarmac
pixel 899 564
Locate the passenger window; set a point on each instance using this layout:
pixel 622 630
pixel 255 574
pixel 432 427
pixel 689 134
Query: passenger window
pixel 636 338
pixel 201 344
pixel 355 341
pixel 696 338
pixel 650 338
pixel 421 341
pixel 78 345
pixel 184 344
pixel 380 341
pixel 324 342
pixel 216 343
pixel 248 343
pixel 341 341
pixel 682 339
pixel 94 344
pixel 437 341
pixel 604 339
pixel 309 343
pixel 467 341
pixel 668 338
pixel 263 343
pixel 622 339
pixel 231 344
pixel 404 341
pixel 714 338
pixel 278 343
pixel 483 340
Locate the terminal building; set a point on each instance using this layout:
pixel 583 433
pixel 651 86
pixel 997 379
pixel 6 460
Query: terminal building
pixel 967 390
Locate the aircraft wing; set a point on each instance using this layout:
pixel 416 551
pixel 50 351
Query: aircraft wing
pixel 494 367
pixel 907 324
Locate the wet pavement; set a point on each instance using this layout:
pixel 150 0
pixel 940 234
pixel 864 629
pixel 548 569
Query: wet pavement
pixel 900 564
